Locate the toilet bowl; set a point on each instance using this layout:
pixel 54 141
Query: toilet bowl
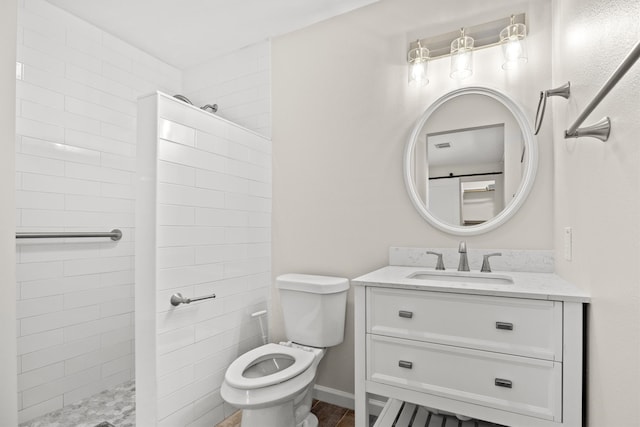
pixel 273 384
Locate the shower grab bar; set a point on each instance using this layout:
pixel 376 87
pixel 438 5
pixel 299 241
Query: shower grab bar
pixel 177 299
pixel 114 235
pixel 602 129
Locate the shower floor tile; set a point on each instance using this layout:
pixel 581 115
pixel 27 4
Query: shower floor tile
pixel 115 406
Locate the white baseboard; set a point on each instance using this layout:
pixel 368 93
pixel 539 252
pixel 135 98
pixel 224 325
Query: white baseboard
pixel 344 399
pixel 333 396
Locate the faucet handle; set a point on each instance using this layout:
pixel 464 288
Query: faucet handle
pixel 462 247
pixel 486 268
pixel 439 263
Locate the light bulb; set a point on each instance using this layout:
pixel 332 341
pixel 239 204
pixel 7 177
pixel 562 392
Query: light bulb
pixel 418 74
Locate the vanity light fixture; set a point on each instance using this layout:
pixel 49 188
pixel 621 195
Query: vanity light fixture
pixel 418 58
pixel 514 47
pixel 462 56
pixel 508 32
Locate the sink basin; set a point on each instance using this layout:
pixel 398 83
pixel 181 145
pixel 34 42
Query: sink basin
pixel 462 277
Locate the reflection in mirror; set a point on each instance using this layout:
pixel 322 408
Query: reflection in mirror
pixel 468 160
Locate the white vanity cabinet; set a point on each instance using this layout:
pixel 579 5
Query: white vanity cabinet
pixel 512 358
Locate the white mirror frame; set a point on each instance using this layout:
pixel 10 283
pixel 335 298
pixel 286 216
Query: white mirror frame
pixel 525 185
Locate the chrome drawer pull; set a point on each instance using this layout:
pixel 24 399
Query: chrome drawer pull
pixel 505 326
pixel 405 314
pixel 405 364
pixel 503 383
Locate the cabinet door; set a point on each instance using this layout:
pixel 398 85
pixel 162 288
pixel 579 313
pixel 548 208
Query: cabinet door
pixel 511 383
pixel 522 327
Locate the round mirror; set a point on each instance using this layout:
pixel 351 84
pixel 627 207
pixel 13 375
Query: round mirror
pixel 470 161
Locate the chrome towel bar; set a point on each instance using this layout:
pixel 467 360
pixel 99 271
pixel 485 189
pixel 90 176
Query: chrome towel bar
pixel 114 235
pixel 177 299
pixel 601 129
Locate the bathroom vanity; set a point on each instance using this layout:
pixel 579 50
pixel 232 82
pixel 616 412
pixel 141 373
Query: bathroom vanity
pixel 505 348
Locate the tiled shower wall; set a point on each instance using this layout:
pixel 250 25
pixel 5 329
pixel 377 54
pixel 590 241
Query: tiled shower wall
pixel 239 82
pixel 75 149
pixel 203 227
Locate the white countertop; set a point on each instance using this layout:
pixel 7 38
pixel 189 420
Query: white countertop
pixel 543 286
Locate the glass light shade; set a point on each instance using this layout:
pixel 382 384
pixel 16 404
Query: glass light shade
pixel 462 57
pixel 514 46
pixel 418 59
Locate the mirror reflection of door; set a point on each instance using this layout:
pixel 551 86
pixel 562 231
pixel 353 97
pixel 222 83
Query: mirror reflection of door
pixel 466 174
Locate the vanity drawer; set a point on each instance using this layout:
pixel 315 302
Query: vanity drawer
pixel 522 327
pixel 517 384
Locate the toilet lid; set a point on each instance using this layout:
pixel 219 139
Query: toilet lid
pixel 295 361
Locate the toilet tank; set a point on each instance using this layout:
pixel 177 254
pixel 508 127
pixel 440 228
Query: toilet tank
pixel 314 308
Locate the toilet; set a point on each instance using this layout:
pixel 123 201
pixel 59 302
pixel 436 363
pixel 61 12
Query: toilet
pixel 273 384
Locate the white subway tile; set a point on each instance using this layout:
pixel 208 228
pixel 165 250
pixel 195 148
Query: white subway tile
pixel 39 165
pixel 169 362
pixel 57 117
pixel 189 196
pixel 221 217
pixel 40 376
pixel 54 47
pixel 221 181
pixel 51 184
pixel 174 381
pixel 39 95
pixel 58 285
pixel 181 417
pixel 38 129
pixel 119 191
pixel 36 200
pixel 79 267
pixel 175 339
pixel 96 356
pixel 37 271
pixel 97 173
pixel 59 386
pixel 59 319
pixel 35 342
pixel 97 204
pixel 97 112
pixel 96 81
pixel 96 296
pixel 115 132
pixel 117 365
pixel 38 359
pixel 38 306
pixel 53 150
pixel 115 307
pixel 40 409
pixel 115 161
pixel 213 143
pixel 212 417
pixel 168 278
pixel 173 173
pixel 98 143
pixel 176 132
pixel 117 335
pixel 188 156
pixel 97 327
pixel 43 25
pixel 176 215
pixel 189 236
pixel 175 257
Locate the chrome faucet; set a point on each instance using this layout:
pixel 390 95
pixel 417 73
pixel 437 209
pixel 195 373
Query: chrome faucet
pixel 463 265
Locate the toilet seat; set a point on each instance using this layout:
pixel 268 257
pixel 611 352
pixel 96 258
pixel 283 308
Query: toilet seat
pixel 235 378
